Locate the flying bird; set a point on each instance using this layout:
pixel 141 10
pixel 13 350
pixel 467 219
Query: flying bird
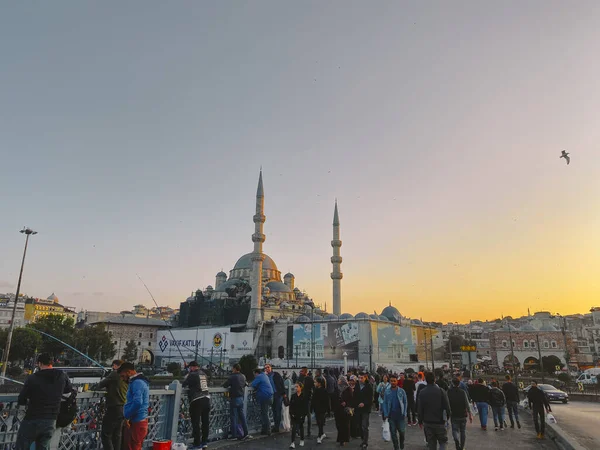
pixel 566 156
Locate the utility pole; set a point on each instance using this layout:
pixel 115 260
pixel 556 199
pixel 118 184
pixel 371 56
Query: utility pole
pixel 28 232
pixel 426 355
pixel 432 355
pixel 537 338
pixel 450 348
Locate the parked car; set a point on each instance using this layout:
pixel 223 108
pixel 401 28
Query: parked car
pixel 164 374
pixel 553 394
pixel 587 378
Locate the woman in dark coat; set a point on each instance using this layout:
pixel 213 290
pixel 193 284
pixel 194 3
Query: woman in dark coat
pixel 342 418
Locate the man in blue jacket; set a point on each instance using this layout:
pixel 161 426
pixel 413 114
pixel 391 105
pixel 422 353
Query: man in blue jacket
pixel 394 411
pixel 136 406
pixel 264 395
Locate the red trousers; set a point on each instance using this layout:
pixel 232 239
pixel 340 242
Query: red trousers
pixel 133 437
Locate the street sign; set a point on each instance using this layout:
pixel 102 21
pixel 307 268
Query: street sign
pixel 468 348
pixel 557 368
pixel 580 386
pixel 521 385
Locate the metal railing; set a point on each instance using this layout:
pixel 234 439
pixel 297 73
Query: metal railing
pixel 168 418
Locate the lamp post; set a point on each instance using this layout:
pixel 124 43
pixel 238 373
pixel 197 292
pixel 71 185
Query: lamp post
pixel 537 338
pixel 28 232
pixel 345 355
pixel 563 328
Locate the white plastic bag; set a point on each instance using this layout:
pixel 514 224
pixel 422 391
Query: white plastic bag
pixel 525 403
pixel 178 446
pixel 474 410
pixel 550 418
pixel 285 418
pixel 385 431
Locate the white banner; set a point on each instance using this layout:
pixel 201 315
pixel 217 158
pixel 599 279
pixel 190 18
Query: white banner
pixel 203 342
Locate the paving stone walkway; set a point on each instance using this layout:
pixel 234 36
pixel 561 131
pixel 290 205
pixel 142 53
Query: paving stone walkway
pixel 477 439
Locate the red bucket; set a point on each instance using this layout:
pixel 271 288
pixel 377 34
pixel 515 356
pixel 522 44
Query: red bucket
pixel 161 445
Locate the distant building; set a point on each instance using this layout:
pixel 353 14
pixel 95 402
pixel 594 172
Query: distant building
pixel 7 303
pixel 140 330
pixel 35 308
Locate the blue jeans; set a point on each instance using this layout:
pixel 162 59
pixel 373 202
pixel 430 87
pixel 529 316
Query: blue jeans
pixel 39 431
pixel 498 412
pixel 397 427
pixel 459 432
pixel 277 404
pixel 264 415
pixel 236 407
pixel 482 408
pixel 513 411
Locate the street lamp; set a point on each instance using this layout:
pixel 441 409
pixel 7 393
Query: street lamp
pixel 28 232
pixel 564 333
pixel 345 355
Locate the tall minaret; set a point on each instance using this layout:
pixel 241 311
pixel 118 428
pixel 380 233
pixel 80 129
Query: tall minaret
pixel 258 257
pixel 336 260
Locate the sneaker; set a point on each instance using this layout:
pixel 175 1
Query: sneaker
pixel 512 425
pixel 319 440
pixel 204 446
pixel 245 438
pixel 301 443
pixel 495 428
pixel 292 445
pixel 323 436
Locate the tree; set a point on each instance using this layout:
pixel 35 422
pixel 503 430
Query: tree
pixel 130 352
pixel 248 363
pixel 174 368
pixel 550 362
pixel 24 343
pixel 61 327
pixel 95 342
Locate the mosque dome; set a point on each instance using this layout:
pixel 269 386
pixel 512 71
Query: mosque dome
pixel 391 313
pixel 278 286
pixel 374 316
pixel 384 319
pixel 528 327
pixel 53 298
pixel 330 317
pixel 416 322
pixel 510 328
pixel 302 319
pixel 346 316
pixel 548 327
pixel 361 315
pixel 221 274
pixel 245 262
pixel 289 275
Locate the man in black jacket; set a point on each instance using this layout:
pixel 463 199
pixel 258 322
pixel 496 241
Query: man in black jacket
pixel 309 384
pixel 237 384
pixel 538 402
pixel 42 393
pixel 279 394
pixel 364 401
pixel 411 413
pixel 112 422
pixel 199 398
pixel 512 401
pixel 459 404
pixel 480 396
pixel 433 410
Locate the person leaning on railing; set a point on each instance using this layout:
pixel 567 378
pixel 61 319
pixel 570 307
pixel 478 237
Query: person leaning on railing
pixel 112 422
pixel 236 384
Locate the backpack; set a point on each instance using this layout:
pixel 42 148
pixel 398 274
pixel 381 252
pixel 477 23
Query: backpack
pixel 497 397
pixel 68 409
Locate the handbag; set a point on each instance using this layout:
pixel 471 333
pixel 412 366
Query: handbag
pixel 385 431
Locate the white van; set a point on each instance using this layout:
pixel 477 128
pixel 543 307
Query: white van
pixel 586 378
pixel 595 371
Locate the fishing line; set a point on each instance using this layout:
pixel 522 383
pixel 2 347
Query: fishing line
pixel 164 320
pixel 72 348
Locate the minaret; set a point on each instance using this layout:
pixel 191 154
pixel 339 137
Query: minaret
pixel 336 260
pixel 258 257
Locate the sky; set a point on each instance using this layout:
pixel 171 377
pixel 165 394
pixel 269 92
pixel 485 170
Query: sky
pixel 131 138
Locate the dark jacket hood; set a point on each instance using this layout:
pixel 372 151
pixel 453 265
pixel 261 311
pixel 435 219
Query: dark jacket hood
pixel 49 375
pixel 140 377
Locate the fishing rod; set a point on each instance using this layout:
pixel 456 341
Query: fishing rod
pixel 166 323
pixel 71 347
pixel 10 379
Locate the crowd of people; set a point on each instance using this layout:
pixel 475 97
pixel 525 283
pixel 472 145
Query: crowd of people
pixel 403 400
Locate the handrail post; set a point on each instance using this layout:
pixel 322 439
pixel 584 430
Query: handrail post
pixel 173 411
pixel 246 396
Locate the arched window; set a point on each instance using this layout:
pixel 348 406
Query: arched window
pixel 532 344
pixel 504 343
pixel 514 344
pixel 553 344
pixel 525 344
pixel 281 352
pixel 546 344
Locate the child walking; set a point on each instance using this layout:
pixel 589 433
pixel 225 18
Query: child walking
pixel 298 412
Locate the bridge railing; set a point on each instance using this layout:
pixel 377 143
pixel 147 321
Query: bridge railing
pixel 168 418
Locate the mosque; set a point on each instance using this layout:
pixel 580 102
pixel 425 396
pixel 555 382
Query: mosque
pixel 284 323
